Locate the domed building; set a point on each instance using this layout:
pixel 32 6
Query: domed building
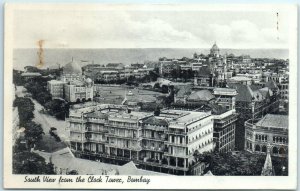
pixel 72 71
pixel 215 51
pixel 72 68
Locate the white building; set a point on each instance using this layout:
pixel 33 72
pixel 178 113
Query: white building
pixel 77 91
pixel 56 88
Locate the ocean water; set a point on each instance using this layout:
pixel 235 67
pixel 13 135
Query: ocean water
pixel 55 57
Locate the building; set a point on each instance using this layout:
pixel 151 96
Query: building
pixel 252 102
pixel 240 80
pixel 71 71
pixel 215 51
pixel 224 131
pixel 77 91
pixel 28 76
pixel 204 77
pixel 225 97
pixel 164 143
pixel 269 131
pixel 200 97
pixel 56 88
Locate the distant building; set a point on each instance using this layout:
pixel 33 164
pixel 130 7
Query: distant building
pixel 252 102
pixel 225 97
pixel 77 91
pixel 215 51
pixel 204 77
pixel 272 131
pixel 240 80
pixel 200 97
pixel 56 88
pixel 71 72
pixel 28 76
pixel 164 143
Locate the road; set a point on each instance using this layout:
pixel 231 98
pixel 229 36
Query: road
pixel 46 120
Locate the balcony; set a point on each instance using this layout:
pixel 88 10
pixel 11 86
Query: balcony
pixel 96 121
pixel 150 148
pixel 157 138
pixel 93 140
pixel 102 131
pixel 75 120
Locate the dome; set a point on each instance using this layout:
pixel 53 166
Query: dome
pixel 72 67
pixel 88 80
pixel 215 47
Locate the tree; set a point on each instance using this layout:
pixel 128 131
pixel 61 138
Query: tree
pixel 25 109
pixel 33 133
pixel 31 163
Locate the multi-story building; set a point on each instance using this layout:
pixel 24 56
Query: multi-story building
pixel 224 131
pixel 56 88
pixel 164 143
pixel 252 102
pixel 225 97
pixel 269 131
pixel 77 91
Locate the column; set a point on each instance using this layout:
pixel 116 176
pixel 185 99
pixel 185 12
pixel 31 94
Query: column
pixel 176 161
pixel 130 154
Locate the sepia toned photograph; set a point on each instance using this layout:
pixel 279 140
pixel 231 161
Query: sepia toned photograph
pixel 150 96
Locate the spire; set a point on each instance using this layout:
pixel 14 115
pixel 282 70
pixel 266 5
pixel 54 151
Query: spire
pixel 268 167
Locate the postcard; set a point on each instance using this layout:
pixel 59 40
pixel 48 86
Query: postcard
pixel 150 96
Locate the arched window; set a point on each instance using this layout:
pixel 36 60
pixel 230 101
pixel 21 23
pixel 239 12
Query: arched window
pixel 275 150
pixel 264 149
pixel 280 139
pixel 259 137
pixel 257 148
pixel 256 137
pixel 281 151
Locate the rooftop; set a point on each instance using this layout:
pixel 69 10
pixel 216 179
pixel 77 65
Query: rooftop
pixel 274 121
pixel 202 95
pixel 65 160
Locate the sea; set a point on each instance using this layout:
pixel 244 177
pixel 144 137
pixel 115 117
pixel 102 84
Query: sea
pixel 53 58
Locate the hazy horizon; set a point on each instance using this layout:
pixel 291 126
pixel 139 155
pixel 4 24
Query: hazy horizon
pixel 52 56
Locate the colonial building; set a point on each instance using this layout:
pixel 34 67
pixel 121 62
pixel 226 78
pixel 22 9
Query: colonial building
pixel 215 51
pixel 56 88
pixel 252 102
pixel 164 143
pixel 225 97
pixel 77 91
pixel 272 131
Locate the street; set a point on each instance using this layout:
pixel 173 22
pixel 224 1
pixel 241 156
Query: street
pixel 46 120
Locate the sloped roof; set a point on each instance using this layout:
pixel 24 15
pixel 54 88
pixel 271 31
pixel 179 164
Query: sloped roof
pixel 155 121
pixel 202 95
pixel 184 90
pixel 217 109
pixel 244 92
pixel 274 121
pixel 271 84
pixel 204 71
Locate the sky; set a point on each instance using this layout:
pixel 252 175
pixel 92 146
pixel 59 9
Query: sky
pixel 82 28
